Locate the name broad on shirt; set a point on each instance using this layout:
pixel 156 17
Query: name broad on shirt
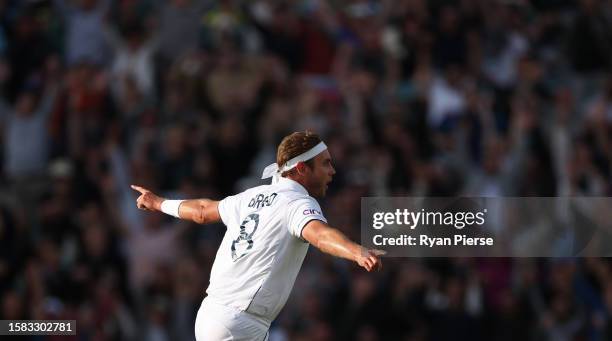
pixel 261 200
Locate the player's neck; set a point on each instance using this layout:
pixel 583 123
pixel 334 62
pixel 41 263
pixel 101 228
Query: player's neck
pixel 299 180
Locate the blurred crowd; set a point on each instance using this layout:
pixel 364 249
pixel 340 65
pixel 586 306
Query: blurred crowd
pixel 190 98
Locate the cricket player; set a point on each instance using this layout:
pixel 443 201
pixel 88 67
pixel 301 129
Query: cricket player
pixel 269 229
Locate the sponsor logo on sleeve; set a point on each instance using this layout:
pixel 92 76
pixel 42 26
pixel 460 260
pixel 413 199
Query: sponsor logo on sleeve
pixel 311 211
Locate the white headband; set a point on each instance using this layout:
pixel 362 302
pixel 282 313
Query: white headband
pixel 274 172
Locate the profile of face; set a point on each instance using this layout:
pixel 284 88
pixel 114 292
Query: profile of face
pixel 317 177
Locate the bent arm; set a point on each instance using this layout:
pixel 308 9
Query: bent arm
pixel 335 243
pixel 201 211
pixel 330 240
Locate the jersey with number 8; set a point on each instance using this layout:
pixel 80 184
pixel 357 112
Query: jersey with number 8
pixel 262 250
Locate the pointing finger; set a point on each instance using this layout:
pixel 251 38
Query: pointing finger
pixel 379 252
pixel 139 189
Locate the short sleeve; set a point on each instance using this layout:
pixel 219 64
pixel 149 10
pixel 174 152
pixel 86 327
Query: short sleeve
pixel 228 209
pixel 300 212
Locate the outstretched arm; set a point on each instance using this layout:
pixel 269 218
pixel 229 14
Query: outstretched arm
pixel 201 211
pixel 335 243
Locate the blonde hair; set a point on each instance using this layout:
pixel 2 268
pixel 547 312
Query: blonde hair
pixel 295 144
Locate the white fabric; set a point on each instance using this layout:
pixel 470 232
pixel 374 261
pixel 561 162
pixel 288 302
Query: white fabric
pixel 444 101
pixel 274 172
pixel 262 250
pixel 137 64
pixel 171 207
pixel 216 322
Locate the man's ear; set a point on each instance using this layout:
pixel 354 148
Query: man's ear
pixel 301 167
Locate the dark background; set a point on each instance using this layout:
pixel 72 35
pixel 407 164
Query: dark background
pixel 191 98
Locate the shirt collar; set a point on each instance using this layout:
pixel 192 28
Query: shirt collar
pixel 292 184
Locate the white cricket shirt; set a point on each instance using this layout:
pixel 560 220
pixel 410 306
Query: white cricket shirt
pixel 262 250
